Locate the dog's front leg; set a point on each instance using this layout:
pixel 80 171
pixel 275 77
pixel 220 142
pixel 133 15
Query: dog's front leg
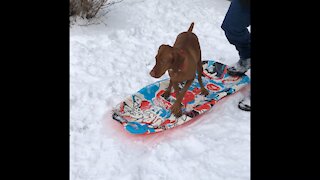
pixel 204 91
pixel 176 88
pixel 168 90
pixel 176 107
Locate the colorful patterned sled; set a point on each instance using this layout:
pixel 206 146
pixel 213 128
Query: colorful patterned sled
pixel 147 111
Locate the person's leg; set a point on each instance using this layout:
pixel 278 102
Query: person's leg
pixel 235 26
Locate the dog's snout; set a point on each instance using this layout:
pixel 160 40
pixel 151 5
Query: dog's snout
pixel 152 73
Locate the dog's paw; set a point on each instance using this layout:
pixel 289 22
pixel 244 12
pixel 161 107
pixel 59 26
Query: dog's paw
pixel 204 92
pixel 176 110
pixel 178 114
pixel 166 94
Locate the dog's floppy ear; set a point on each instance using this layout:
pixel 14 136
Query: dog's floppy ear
pixel 163 45
pixel 178 59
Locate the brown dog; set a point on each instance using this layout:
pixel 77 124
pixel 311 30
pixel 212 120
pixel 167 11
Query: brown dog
pixel 182 61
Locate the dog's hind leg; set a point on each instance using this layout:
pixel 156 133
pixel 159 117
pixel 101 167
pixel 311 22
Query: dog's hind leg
pixel 204 91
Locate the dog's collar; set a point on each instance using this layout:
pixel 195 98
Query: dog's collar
pixel 171 70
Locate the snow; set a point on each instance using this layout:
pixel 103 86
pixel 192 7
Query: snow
pixel 111 59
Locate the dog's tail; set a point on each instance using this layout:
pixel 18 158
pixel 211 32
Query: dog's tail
pixel 191 27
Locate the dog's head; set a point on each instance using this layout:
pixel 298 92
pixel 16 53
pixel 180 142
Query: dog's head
pixel 167 58
pixel 164 61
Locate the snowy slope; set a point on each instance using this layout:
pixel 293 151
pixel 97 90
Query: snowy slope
pixel 111 60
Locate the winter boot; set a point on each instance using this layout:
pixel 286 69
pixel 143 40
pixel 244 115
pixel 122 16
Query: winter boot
pixel 241 67
pixel 245 104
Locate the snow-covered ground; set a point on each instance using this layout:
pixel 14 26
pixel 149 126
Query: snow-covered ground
pixel 111 60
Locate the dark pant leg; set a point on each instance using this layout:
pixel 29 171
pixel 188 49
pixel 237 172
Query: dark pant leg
pixel 235 26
